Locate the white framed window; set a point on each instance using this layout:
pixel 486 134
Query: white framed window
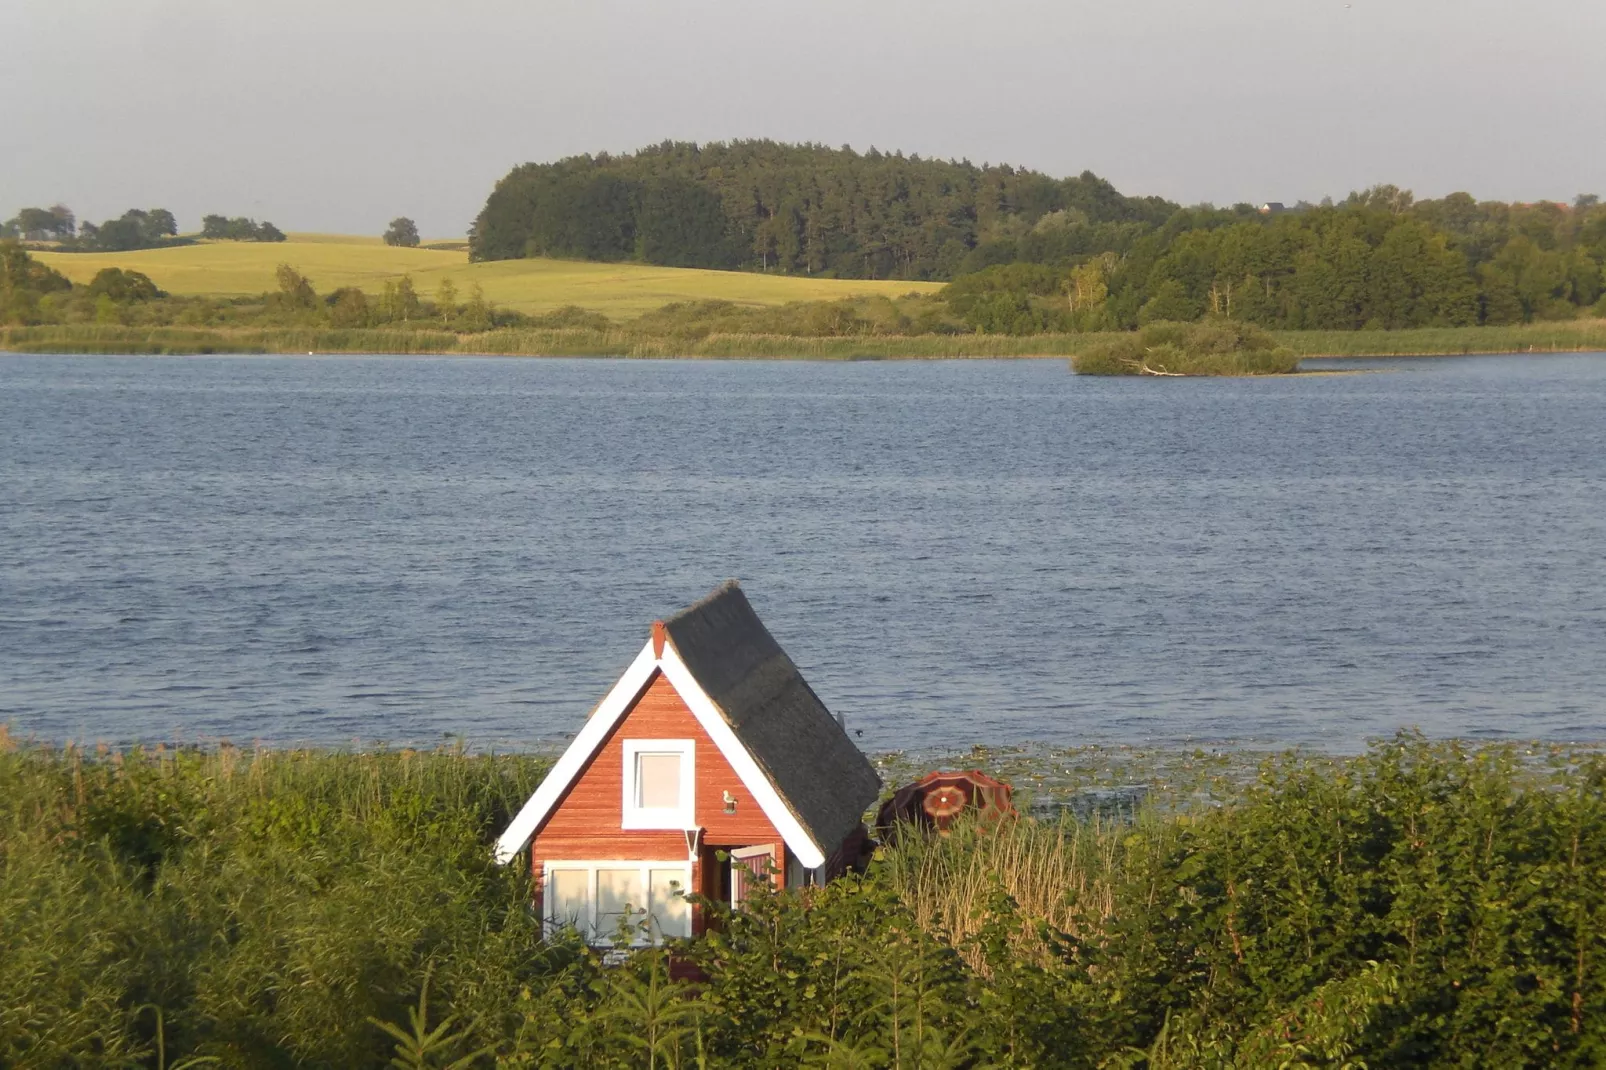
pixel 596 897
pixel 659 784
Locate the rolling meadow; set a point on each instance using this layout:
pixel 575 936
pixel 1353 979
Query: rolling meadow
pixel 531 287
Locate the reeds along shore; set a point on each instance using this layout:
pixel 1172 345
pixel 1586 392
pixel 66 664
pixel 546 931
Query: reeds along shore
pixel 1425 904
pixel 1558 337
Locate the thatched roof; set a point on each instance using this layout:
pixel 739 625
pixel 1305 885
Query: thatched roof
pixel 821 776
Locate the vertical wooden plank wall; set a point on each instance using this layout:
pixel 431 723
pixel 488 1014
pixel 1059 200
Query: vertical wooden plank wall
pixel 586 822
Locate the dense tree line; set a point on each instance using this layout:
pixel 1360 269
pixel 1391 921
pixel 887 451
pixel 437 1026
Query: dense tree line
pixel 1029 253
pixel 239 228
pixel 1378 260
pixel 802 209
pixel 136 228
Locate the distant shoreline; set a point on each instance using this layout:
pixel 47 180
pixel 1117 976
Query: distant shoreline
pixel 1574 336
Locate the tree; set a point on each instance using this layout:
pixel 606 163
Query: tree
pixel 476 314
pixel 222 228
pixel 295 292
pixel 23 281
pixel 1170 302
pixel 402 232
pixel 348 307
pixel 446 300
pixel 118 235
pixel 160 223
pixel 400 301
pixel 1087 290
pixel 123 286
pixel 65 221
pixel 42 224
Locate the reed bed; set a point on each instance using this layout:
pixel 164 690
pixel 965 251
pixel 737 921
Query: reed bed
pixel 1562 336
pixel 1064 873
pixel 622 341
pixel 118 340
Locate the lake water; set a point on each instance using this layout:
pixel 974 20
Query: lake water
pixel 398 549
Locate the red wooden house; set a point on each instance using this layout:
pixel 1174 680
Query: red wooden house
pixel 710 761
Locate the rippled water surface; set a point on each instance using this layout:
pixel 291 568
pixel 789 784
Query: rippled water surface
pixel 333 549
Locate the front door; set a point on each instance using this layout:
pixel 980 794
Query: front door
pixel 749 864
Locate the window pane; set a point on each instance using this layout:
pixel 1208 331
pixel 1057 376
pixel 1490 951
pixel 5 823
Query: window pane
pixel 618 891
pixel 658 781
pixel 567 894
pixel 670 914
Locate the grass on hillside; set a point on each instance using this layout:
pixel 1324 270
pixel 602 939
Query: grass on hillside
pixel 239 269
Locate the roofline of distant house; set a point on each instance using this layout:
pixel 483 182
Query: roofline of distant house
pixel 608 713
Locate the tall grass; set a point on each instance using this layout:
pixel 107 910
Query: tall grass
pixel 116 340
pixel 1574 336
pixel 1563 336
pixel 1062 873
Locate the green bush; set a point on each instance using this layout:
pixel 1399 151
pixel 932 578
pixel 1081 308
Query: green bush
pixel 1213 347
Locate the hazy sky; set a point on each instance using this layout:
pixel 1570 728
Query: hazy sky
pixel 340 114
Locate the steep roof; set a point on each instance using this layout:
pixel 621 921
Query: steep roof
pixel 807 776
pixel 821 776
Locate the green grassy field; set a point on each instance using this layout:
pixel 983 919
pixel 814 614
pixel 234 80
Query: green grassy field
pixel 238 269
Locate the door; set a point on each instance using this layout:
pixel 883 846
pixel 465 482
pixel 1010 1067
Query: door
pixel 749 864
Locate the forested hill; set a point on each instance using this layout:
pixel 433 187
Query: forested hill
pixel 804 209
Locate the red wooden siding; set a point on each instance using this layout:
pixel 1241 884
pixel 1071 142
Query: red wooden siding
pixel 585 823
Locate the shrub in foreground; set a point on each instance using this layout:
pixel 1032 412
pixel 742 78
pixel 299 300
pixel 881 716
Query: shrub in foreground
pixel 1423 905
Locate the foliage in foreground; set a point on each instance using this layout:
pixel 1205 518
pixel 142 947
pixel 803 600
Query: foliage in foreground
pixel 1420 906
pixel 1217 347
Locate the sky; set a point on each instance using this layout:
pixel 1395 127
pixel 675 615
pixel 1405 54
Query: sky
pixel 338 115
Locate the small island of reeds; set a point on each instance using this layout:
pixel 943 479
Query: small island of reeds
pixel 1214 347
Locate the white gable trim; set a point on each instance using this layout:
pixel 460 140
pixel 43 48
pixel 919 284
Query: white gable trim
pixel 607 715
pixel 575 757
pixel 798 841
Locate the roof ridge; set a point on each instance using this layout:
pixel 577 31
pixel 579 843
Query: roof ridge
pixel 704 602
